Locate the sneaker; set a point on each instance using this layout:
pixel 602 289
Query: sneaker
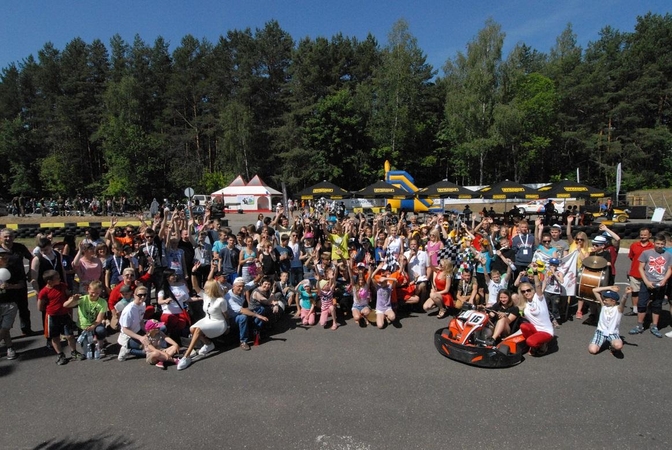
pixel 76 355
pixel 11 353
pixel 656 332
pixel 62 360
pixel 160 365
pixel 669 334
pixel 123 353
pixel 207 348
pixel 631 313
pixel 244 346
pixel 184 363
pixel 636 330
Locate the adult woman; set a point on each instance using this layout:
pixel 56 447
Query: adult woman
pixel 247 262
pixel 212 325
pixel 87 266
pixel 433 247
pixel 504 314
pixel 582 245
pixel 173 298
pixel 538 330
pixel 394 244
pixel 440 295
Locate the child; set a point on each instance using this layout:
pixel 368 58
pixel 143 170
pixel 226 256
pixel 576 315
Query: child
pixel 496 282
pixel 91 312
pixel 114 267
pixel 307 302
pixel 284 292
pixel 361 294
pixel 610 319
pixel 326 291
pixel 384 284
pixel 552 289
pixel 52 299
pixel 161 348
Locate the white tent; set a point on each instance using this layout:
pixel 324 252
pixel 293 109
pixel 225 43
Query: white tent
pixel 253 196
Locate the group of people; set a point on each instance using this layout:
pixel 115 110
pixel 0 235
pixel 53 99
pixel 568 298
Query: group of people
pixel 181 277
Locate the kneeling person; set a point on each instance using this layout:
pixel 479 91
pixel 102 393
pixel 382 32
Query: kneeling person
pixel 610 318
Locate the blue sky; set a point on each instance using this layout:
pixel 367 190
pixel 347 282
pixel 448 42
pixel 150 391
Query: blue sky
pixel 442 27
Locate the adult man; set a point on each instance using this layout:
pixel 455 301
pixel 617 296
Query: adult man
pixel 417 271
pixel 655 269
pixel 8 308
pixel 238 314
pixel 186 244
pixel 636 249
pixel 523 247
pixel 17 253
pixel 296 270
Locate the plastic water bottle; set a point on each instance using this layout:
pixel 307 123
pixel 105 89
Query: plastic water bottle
pixel 90 349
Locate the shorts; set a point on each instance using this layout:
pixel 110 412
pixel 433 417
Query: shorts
pixel 599 338
pixel 480 279
pixel 7 315
pixel 655 295
pixel 635 284
pixel 61 325
pixel 360 308
pixel 378 311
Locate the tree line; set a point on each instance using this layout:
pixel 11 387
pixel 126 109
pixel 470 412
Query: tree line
pixel 139 120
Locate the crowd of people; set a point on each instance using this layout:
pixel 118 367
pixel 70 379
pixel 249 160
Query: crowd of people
pixel 181 278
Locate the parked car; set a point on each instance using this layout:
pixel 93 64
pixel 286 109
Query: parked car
pixel 539 207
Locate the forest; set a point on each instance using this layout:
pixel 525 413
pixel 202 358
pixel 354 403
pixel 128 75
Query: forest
pixel 145 120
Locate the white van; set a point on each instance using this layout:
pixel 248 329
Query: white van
pixel 202 199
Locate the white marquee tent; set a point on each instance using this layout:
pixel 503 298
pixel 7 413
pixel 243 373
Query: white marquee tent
pixel 253 196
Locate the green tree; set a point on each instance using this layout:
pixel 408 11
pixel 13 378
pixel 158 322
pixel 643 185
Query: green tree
pixel 473 90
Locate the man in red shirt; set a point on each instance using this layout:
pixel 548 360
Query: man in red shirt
pixel 634 276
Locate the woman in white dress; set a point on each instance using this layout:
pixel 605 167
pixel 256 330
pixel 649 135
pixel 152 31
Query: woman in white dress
pixel 213 325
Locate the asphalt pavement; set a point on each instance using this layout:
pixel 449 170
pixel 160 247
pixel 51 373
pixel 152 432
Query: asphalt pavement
pixel 353 388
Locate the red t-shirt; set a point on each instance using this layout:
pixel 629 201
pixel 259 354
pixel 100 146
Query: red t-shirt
pixel 55 297
pixel 636 250
pixel 115 295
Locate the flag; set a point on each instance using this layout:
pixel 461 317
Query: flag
pixel 567 268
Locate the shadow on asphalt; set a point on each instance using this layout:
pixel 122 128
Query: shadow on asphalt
pixel 99 442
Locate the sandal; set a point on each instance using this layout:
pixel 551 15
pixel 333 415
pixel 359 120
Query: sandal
pixel 443 313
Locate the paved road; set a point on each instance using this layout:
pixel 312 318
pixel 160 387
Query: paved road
pixel 353 388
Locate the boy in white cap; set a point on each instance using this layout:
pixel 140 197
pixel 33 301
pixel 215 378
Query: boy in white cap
pixel 610 319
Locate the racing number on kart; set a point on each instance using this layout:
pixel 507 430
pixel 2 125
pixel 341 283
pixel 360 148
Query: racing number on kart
pixel 476 319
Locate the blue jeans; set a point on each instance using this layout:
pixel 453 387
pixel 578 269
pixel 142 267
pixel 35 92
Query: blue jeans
pixel 295 275
pixel 136 348
pixel 240 320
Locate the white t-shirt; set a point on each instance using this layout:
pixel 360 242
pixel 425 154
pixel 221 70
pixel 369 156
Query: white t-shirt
pixel 131 317
pixel 417 266
pixel 494 288
pixel 610 320
pixel 536 312
pixel 181 293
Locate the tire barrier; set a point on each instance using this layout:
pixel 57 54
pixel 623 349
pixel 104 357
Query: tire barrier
pixel 31 230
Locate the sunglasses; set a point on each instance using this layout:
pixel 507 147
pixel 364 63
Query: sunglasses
pixel 141 295
pixel 525 291
pixel 579 240
pixel 546 242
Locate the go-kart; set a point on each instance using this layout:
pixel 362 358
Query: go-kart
pixel 468 339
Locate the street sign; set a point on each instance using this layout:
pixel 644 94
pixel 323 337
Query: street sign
pixel 189 192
